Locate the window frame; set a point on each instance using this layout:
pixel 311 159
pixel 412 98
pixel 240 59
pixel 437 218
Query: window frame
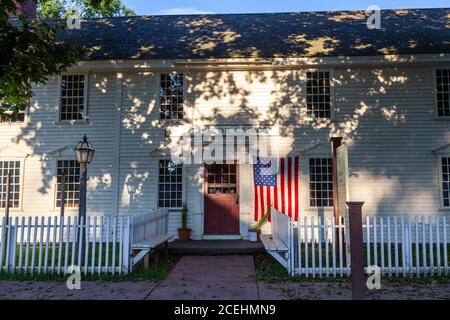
pixel 86 98
pixel 332 98
pixel 21 181
pixel 435 93
pixel 158 100
pixel 308 177
pixel 440 181
pixel 183 185
pixel 55 186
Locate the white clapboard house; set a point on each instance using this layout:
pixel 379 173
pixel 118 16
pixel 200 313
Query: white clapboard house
pixel 302 77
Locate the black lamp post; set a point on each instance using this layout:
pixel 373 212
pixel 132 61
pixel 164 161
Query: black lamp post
pixel 84 152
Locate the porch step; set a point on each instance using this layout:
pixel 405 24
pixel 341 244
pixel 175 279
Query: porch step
pixel 215 247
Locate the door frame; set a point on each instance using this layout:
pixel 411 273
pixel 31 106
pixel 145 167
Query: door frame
pixel 222 236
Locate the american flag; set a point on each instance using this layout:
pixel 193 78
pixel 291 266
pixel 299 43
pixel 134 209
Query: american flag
pixel 276 184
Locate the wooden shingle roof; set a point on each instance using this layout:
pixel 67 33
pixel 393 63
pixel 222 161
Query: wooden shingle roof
pixel 338 33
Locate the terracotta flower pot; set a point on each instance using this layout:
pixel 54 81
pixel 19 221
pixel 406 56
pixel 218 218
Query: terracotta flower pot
pixel 254 235
pixel 184 234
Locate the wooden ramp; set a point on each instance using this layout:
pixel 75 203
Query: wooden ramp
pixel 276 248
pixel 148 245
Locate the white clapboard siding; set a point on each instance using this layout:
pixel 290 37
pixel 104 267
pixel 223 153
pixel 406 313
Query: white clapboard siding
pixel 403 246
pixel 387 113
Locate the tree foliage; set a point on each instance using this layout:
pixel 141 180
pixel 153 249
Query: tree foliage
pixel 55 9
pixel 30 51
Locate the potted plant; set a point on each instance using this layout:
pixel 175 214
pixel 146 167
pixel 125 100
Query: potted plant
pixel 184 233
pixel 254 232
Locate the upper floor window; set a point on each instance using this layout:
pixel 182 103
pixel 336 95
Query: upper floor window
pixel 321 182
pixel 12 167
pixel 445 168
pixel 443 92
pixel 73 100
pixel 15 117
pixel 70 170
pixel 171 96
pixel 170 184
pixel 318 94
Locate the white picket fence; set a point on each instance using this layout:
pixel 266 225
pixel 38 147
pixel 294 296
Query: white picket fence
pixel 399 246
pixel 50 244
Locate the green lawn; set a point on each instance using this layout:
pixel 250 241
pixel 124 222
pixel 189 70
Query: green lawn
pixel 269 270
pixel 380 253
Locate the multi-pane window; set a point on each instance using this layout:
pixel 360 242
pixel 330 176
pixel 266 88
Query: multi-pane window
pixel 170 185
pixel 443 92
pixel 70 170
pixel 12 167
pixel 72 97
pixel 318 94
pixel 171 96
pixel 222 178
pixel 321 182
pixel 446 181
pixel 16 117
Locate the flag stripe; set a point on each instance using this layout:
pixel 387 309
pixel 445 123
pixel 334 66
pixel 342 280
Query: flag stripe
pixel 275 197
pixel 296 189
pixel 289 186
pixel 256 202
pixel 261 195
pixel 282 184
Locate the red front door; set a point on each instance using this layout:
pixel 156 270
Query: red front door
pixel 221 199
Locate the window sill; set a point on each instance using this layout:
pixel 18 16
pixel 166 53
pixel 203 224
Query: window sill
pixel 71 122
pixel 171 122
pixel 172 209
pixel 14 210
pixel 13 124
pixel 319 209
pixel 441 118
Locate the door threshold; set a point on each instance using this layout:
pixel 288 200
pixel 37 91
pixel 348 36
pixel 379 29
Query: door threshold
pixel 222 237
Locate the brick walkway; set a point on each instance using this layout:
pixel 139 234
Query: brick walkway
pixel 210 277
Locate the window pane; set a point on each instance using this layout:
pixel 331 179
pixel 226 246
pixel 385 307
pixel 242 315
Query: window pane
pixel 318 95
pixel 446 181
pixel 171 96
pixel 443 92
pixel 72 97
pixel 321 182
pixel 12 167
pixel 71 170
pixel 170 183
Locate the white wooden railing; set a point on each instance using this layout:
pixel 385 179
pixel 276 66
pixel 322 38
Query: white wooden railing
pixel 52 244
pixel 150 224
pixel 280 226
pixel 398 245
